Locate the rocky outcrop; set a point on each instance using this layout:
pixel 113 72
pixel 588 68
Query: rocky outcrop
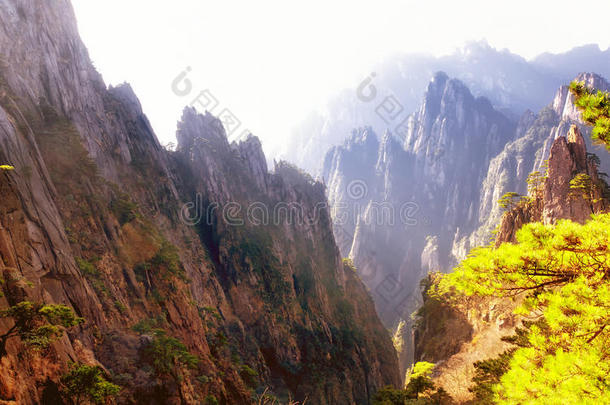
pixel 568 159
pixel 136 239
pixel 557 197
pixel 455 335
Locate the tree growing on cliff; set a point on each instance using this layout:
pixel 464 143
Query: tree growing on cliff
pixel 169 355
pixel 564 270
pixel 582 186
pixel 509 200
pixel 420 381
pixel 595 108
pixel 535 184
pixel 86 384
pixel 37 324
pixel 420 389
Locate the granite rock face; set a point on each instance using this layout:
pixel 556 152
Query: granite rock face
pixel 98 216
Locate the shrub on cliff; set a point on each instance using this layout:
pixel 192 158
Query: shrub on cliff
pixel 168 355
pixel 420 390
pixel 37 324
pixel 86 384
pixel 164 264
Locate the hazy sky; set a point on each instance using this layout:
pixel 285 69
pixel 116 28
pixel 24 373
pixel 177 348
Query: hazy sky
pixel 271 62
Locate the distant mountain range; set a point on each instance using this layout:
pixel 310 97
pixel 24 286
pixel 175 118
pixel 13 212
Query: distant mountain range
pixel 511 83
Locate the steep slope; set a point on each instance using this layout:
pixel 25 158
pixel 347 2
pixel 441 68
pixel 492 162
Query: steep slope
pixel 455 335
pixel 94 217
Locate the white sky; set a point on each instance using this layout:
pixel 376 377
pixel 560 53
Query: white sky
pixel 273 61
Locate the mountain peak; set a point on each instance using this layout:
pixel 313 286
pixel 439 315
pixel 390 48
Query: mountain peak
pixel 194 127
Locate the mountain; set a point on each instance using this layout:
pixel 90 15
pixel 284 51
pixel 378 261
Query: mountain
pixel 401 210
pixel 200 276
pixel 392 91
pixel 416 195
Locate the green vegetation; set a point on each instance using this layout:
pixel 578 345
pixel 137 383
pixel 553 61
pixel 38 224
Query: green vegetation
pixel 248 375
pixel 595 108
pixel 211 311
pixel 535 184
pixel 87 268
pixel 487 375
pixel 120 306
pixel 85 384
pixel 509 200
pixel 168 355
pixel 148 325
pixel 165 263
pixel 255 252
pixel 203 379
pixel 37 324
pixel 563 357
pixel 420 389
pixel 124 209
pixel 420 381
pixel 583 186
pixel 217 341
pixel 349 264
pixel 92 274
pixel 211 400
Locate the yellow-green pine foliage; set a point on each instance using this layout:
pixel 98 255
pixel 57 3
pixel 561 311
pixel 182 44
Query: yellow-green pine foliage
pixel 595 108
pixel 565 271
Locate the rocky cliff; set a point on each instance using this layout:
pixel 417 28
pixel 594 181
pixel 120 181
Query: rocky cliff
pixel 456 335
pixel 201 250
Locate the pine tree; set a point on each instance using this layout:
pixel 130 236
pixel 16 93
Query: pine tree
pixel 595 108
